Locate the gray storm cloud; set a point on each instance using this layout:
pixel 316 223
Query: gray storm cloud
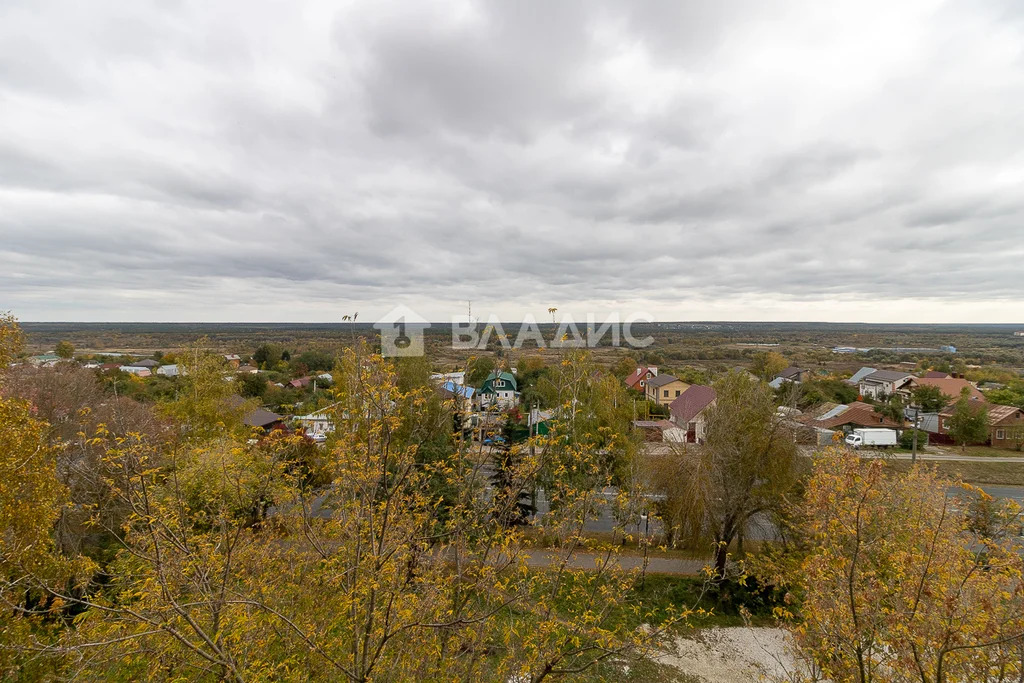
pixel 285 161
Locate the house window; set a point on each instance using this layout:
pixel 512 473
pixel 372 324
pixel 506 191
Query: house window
pixel 677 392
pixel 1000 434
pixel 666 393
pixel 945 424
pixel 499 383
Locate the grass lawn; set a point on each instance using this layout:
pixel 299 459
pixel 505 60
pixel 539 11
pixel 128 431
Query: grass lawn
pixel 660 591
pixel 971 472
pixel 981 451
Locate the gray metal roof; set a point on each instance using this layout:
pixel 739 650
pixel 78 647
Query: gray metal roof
pixel 838 410
pixel 886 376
pixel 860 374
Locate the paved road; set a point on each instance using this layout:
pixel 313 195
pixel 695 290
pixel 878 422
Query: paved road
pixel 934 453
pixel 655 565
pixel 942 456
pixel 1004 491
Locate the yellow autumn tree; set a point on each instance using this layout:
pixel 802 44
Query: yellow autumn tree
pixel 901 580
pixel 236 564
pixel 31 499
pixel 12 340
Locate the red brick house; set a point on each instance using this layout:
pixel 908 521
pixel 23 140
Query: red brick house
pixel 1005 425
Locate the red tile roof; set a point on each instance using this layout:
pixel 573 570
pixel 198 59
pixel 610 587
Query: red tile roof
pixel 633 380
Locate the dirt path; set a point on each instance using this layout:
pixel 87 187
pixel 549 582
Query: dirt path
pixel 734 655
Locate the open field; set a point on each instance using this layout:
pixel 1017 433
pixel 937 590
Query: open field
pixel 979 452
pixel 972 472
pixel 709 345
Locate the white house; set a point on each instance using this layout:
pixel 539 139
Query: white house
pixel 136 370
pixel 689 412
pixel 884 383
pixel 499 389
pixel 318 424
pixel 854 381
pixel 458 378
pixel 168 370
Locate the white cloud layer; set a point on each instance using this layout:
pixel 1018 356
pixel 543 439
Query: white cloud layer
pixel 277 161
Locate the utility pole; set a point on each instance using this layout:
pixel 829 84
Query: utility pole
pixel 913 453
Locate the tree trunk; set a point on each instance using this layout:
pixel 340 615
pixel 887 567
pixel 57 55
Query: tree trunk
pixel 721 555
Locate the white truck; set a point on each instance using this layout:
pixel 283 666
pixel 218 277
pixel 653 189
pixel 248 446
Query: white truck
pixel 873 437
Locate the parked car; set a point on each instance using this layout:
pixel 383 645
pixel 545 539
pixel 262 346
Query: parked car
pixel 494 440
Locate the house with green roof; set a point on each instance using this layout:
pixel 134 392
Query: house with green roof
pixel 499 389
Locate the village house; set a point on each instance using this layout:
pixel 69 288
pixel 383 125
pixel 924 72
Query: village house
pixel 689 411
pixel 318 424
pixel 884 383
pixel 453 377
pixel 663 389
pixel 263 419
pixel 854 380
pixel 461 397
pixel 848 417
pixel 233 359
pixel 1005 425
pixel 790 374
pixel 951 387
pixel 137 370
pixel 500 390
pixel 247 370
pixel 660 430
pixel 639 377
pixel 168 370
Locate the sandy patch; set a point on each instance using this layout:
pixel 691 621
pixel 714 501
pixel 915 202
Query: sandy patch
pixel 734 655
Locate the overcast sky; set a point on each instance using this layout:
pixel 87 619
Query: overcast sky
pixel 297 161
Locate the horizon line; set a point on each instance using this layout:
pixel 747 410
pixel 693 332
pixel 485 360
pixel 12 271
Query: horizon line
pixel 538 322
